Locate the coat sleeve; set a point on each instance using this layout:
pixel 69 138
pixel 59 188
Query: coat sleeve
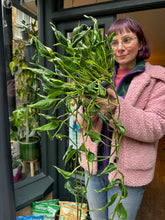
pixel 148 124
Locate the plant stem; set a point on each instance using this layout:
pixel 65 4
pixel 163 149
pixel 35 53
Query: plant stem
pixel 27 124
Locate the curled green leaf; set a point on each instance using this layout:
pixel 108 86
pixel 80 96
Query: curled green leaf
pixel 69 187
pixel 64 173
pixel 110 202
pixel 108 169
pixel 90 156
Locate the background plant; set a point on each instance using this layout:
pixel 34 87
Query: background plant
pixel 27 83
pixel 78 76
pixel 24 119
pixel 16 160
pixel 23 122
pixel 30 29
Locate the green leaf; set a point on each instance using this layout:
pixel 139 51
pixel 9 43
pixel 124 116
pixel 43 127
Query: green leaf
pixel 89 122
pixel 56 82
pixel 121 128
pixel 42 71
pixel 112 63
pixel 90 156
pixel 68 88
pixel 70 63
pixel 12 65
pixel 82 147
pixel 45 104
pixel 68 150
pixel 78 38
pixel 124 192
pixel 121 212
pixel 95 137
pixel 102 90
pixel 68 186
pixel 59 104
pixel 108 169
pixel 99 68
pixel 50 126
pixel 59 35
pixel 51 83
pixel 110 202
pixel 55 93
pixel 79 29
pixel 104 118
pixel 43 50
pixel 116 181
pixel 109 187
pixel 92 85
pixel 70 155
pixel 64 173
pixel 49 117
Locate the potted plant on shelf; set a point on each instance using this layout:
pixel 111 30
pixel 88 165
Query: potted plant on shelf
pixel 79 76
pixel 16 160
pixel 26 82
pixel 24 122
pixel 30 144
pixel 28 30
pixel 25 50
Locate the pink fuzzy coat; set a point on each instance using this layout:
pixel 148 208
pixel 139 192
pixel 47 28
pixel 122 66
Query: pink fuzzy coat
pixel 142 113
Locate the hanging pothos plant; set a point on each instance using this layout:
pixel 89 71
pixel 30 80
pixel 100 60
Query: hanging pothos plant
pixel 78 76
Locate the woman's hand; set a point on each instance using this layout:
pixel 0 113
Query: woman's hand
pixel 108 106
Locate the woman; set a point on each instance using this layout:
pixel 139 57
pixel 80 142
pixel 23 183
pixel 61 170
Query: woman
pixel 141 90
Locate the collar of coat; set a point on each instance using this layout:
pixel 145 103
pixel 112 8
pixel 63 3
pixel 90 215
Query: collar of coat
pixel 125 82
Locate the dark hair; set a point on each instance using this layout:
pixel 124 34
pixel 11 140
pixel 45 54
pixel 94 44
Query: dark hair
pixel 129 24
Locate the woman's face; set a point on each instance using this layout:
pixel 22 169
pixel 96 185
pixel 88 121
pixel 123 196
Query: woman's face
pixel 126 47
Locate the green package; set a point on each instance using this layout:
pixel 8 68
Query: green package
pixel 48 209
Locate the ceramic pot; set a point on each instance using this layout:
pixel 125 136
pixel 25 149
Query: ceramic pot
pixel 16 174
pixel 30 151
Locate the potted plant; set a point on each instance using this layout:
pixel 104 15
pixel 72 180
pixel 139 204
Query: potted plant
pixel 25 50
pixel 79 76
pixel 26 82
pixel 16 161
pixel 23 124
pixel 28 30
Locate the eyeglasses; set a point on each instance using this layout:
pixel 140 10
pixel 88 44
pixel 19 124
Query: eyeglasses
pixel 126 42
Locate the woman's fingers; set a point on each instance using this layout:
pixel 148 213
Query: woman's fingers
pixel 112 94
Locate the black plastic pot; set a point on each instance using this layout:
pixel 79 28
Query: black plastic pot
pixel 25 35
pixel 29 52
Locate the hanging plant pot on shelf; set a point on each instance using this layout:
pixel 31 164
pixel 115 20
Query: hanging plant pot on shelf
pixel 25 35
pixel 29 52
pixel 31 150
